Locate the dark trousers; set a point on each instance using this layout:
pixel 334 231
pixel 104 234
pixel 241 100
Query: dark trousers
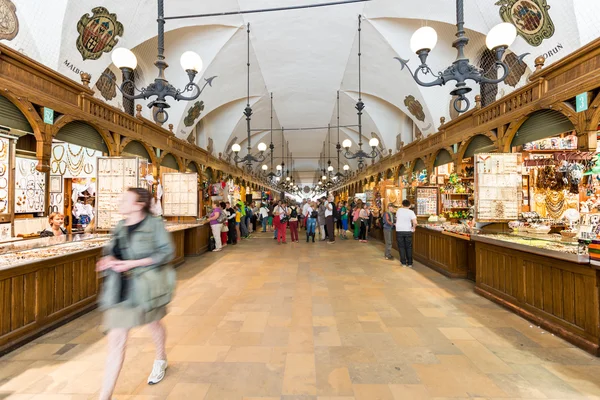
pixel 363 231
pixel 232 234
pixel 404 241
pixel 329 224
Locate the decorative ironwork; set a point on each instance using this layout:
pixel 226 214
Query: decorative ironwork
pixel 160 89
pixel 461 70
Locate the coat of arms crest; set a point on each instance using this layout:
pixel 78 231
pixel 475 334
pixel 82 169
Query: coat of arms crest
pixel 193 113
pixel 530 17
pixel 415 107
pixel 9 23
pixel 107 85
pixel 98 33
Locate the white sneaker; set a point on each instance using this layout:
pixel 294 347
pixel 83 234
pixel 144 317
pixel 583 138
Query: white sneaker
pixel 158 372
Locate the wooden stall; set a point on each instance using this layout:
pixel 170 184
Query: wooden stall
pixel 556 291
pixel 448 253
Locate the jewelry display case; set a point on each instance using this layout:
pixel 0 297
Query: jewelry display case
pixel 115 175
pixel 5 172
pixel 180 197
pixel 498 187
pixel 30 187
pixel 73 161
pixel 25 252
pixel 427 201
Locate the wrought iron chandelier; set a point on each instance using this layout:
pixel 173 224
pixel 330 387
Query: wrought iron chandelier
pixel 340 176
pixel 424 40
pixel 360 106
pixel 249 158
pixel 271 175
pixel 191 62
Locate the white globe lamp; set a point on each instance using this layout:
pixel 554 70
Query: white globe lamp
pixel 262 147
pixel 124 58
pixel 501 35
pixel 424 38
pixel 236 148
pixel 347 143
pixel 190 61
pixel 374 142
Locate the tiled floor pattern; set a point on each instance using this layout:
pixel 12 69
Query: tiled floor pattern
pixel 314 322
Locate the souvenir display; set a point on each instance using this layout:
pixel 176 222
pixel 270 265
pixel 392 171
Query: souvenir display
pixel 499 187
pixel 4 174
pixel 180 197
pixel 5 232
pixel 547 242
pixel 73 161
pixel 115 175
pixel 30 187
pixel 555 143
pixel 426 201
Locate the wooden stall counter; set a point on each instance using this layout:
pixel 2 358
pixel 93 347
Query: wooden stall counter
pixel 450 254
pixel 45 283
pixel 190 239
pixel 550 283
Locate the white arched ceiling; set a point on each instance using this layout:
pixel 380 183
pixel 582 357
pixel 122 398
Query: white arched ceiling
pixel 303 56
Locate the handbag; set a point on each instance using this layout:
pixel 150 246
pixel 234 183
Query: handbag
pixel 222 217
pixel 225 228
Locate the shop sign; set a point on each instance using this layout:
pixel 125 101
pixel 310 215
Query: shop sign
pixel 48 116
pixel 582 102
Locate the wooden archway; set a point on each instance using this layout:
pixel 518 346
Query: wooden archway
pixel 63 120
pixel 177 159
pixel 149 149
pixel 28 111
pixel 465 144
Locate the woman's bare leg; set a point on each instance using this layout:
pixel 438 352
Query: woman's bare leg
pixel 117 343
pixel 159 336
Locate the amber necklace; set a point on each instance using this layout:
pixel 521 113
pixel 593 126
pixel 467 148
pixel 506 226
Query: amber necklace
pixel 72 153
pixel 75 167
pixel 555 204
pixel 3 148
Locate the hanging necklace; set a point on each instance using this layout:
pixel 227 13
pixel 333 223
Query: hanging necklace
pixel 555 203
pixel 2 169
pixel 62 168
pixel 75 154
pixel 62 154
pixel 88 168
pixel 3 148
pixel 75 167
pixel 23 167
pixel 88 153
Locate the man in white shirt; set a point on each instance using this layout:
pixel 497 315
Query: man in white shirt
pixel 329 219
pixel 305 207
pixel 406 222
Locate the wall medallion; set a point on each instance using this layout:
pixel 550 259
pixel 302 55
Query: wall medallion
pixel 9 23
pixel 415 107
pixel 193 113
pixel 530 17
pixel 517 69
pixel 107 85
pixel 98 33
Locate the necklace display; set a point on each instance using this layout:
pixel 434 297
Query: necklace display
pixel 75 155
pixel 555 203
pixel 88 168
pixel 3 148
pixel 75 166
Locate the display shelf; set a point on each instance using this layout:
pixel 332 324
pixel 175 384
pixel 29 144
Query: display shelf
pixel 115 176
pixel 180 197
pixel 30 187
pixel 498 187
pixel 427 201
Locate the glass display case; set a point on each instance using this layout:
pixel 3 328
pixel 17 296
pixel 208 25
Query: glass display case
pixel 115 175
pixel 542 244
pixel 180 195
pixel 29 251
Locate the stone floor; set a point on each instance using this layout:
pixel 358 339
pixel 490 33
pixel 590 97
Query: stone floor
pixel 262 321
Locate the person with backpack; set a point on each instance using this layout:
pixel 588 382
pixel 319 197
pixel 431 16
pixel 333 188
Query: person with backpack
pixel 388 225
pixel 294 222
pixel 281 220
pixel 264 216
pixel 311 221
pixel 216 218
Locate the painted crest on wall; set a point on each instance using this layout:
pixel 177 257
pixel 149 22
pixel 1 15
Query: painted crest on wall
pixel 9 23
pixel 517 69
pixel 107 85
pixel 193 113
pixel 530 17
pixel 415 107
pixel 98 33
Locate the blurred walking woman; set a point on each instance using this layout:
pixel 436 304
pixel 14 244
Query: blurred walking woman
pixel 138 284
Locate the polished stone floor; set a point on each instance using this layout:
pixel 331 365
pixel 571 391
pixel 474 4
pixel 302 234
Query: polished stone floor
pixel 261 321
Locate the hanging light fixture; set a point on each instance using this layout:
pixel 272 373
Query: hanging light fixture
pixel 249 158
pixel 500 38
pixel 265 167
pixel 339 175
pixel 191 62
pixel 360 106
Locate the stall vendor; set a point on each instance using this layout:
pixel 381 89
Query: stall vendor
pixel 56 220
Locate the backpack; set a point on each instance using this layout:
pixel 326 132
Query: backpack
pixel 294 213
pixel 222 217
pixel 314 214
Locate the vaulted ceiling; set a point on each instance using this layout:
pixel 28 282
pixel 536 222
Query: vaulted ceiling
pixel 304 57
